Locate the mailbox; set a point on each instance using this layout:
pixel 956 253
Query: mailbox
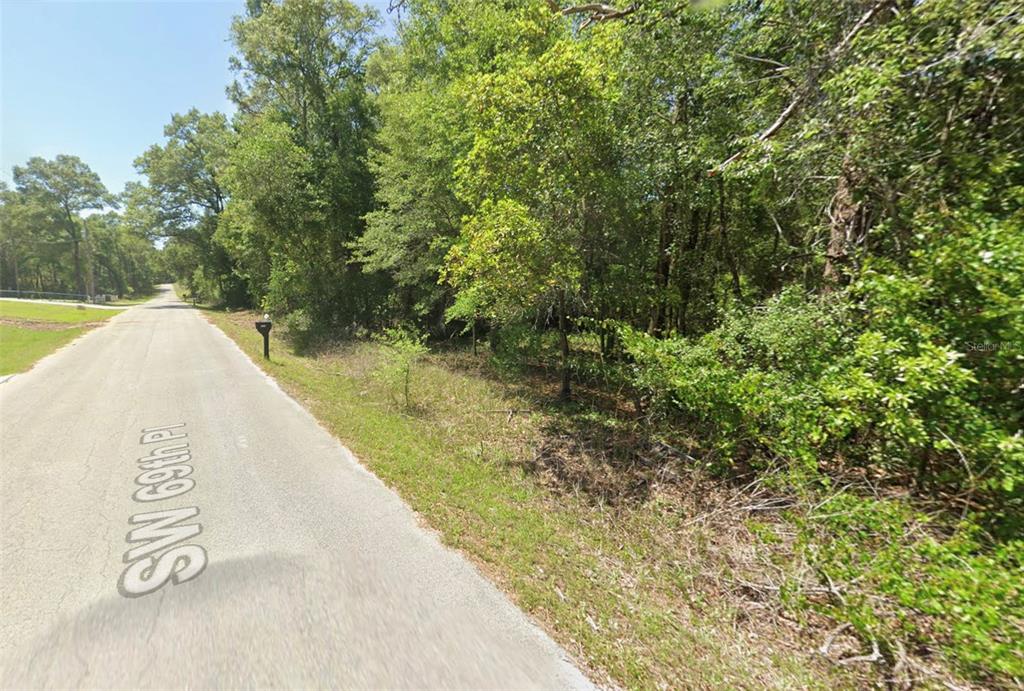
pixel 263 326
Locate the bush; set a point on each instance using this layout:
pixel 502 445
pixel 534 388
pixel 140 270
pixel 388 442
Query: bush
pixel 953 321
pixel 907 409
pixel 403 348
pixel 804 380
pixel 299 328
pixel 753 383
pixel 913 377
pixel 900 582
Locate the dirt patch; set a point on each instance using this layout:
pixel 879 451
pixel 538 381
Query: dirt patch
pixel 45 325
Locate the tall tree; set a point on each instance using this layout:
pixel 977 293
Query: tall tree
pixel 185 196
pixel 534 159
pixel 302 90
pixel 69 185
pixel 420 88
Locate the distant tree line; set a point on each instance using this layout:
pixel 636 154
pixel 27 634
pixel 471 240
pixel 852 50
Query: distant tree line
pixel 50 243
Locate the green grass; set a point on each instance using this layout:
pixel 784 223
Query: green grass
pixel 21 348
pixel 32 330
pixel 43 312
pixel 128 301
pixel 136 298
pixel 634 592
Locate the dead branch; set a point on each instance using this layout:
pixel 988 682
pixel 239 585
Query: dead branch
pixel 875 656
pixel 597 11
pixel 772 588
pixel 768 61
pixel 831 638
pixel 674 451
pixel 970 474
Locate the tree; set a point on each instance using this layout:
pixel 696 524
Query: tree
pixel 271 227
pixel 302 93
pixel 125 258
pixel 68 184
pixel 185 189
pixel 185 196
pixel 24 226
pixel 422 133
pixel 537 182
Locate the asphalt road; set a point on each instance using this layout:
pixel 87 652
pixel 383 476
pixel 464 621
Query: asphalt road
pixel 234 544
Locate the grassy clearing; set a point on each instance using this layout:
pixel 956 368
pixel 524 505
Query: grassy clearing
pixel 31 330
pixel 637 570
pixel 44 312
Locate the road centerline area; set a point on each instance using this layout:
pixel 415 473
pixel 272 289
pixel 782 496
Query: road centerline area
pixel 278 562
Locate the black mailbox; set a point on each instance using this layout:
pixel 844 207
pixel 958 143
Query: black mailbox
pixel 263 326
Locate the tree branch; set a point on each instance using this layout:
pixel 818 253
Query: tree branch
pixel 598 11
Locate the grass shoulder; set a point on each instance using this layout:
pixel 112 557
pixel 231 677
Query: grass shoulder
pixel 30 331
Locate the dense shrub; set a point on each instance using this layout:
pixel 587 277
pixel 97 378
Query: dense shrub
pixel 900 580
pixel 751 383
pixel 856 380
pixel 945 336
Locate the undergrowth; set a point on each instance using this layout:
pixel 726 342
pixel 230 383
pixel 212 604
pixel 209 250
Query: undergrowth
pixel 839 568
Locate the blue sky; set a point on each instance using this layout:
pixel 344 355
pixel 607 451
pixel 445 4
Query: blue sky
pixel 100 79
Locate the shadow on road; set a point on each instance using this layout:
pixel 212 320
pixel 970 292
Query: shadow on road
pixel 109 629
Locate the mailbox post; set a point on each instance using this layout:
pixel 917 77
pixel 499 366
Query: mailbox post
pixel 263 326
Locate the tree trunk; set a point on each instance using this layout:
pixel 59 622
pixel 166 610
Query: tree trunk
pixel 663 264
pixel 79 279
pixel 563 335
pixel 72 231
pixel 686 281
pixel 727 253
pixel 90 281
pixel 846 228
